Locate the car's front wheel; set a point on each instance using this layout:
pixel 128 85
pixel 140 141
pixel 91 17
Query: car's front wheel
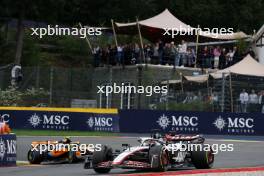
pixel 105 154
pixel 34 157
pixel 159 158
pixel 202 159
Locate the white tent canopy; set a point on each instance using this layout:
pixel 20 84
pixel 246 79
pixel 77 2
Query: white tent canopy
pixel 248 66
pixel 165 20
pixel 161 21
pixel 198 79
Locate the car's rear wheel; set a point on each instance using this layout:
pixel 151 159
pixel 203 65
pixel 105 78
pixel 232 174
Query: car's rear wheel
pixel 34 157
pixel 202 159
pixel 106 154
pixel 159 158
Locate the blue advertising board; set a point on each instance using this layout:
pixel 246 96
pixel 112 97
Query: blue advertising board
pixel 43 119
pixel 8 150
pixel 143 121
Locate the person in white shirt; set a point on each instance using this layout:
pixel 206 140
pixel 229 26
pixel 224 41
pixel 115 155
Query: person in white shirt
pixel 244 98
pixel 183 52
pixel 253 101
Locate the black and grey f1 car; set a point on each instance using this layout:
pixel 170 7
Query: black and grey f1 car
pixel 157 153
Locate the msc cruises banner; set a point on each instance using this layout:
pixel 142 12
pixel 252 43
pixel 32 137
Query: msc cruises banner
pixel 61 119
pixel 8 150
pixel 143 121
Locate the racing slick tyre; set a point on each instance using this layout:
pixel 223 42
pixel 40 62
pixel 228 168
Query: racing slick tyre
pixel 72 157
pixel 158 158
pixel 34 157
pixel 202 159
pixel 106 154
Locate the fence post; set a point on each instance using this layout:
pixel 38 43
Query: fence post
pixel 51 85
pixel 223 93
pixel 109 98
pixel 167 96
pixel 231 92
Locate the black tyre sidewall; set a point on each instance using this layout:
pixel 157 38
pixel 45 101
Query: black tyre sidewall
pixel 106 154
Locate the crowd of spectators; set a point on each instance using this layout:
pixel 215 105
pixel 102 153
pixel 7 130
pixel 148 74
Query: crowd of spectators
pixel 168 54
pixel 252 102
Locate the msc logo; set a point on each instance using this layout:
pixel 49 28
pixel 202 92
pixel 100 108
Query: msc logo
pixel 56 120
pixel 241 123
pixel 51 120
pixel 181 121
pixel 234 124
pixel 99 122
pixel 184 121
pixel 7 147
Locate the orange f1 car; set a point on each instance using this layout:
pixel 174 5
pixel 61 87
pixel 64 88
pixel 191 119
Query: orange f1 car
pixel 64 150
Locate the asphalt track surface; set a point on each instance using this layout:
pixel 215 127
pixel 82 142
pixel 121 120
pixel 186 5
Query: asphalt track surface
pixel 248 152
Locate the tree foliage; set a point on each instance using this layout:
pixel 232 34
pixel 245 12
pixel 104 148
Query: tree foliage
pixel 245 15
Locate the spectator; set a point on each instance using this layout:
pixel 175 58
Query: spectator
pixel 112 55
pixel 222 59
pixel 188 98
pixel 253 101
pixel 148 53
pixel 236 57
pixel 136 53
pixel 97 56
pixel 261 101
pixel 174 54
pixel 120 55
pixel 161 50
pixel 182 52
pixel 155 59
pixel 189 57
pixel 167 52
pixel 217 53
pixel 244 100
pixel 214 100
pixel 251 52
pixel 205 57
pixel 229 57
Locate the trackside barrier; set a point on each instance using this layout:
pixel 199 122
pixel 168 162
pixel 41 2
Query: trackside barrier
pixel 7 150
pixel 143 121
pixel 133 121
pixel 61 118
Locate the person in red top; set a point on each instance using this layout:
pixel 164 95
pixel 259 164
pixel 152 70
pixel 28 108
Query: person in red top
pixel 217 53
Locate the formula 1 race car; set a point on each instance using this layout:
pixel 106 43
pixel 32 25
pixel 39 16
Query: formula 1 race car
pixel 60 151
pixel 157 153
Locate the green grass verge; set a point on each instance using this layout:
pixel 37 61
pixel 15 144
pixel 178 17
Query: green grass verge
pixel 19 132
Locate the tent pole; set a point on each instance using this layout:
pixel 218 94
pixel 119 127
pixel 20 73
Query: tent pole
pixel 231 92
pixel 141 41
pixel 197 43
pixel 87 40
pixel 114 32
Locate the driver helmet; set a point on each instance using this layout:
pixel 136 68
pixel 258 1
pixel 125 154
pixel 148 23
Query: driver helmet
pixel 67 140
